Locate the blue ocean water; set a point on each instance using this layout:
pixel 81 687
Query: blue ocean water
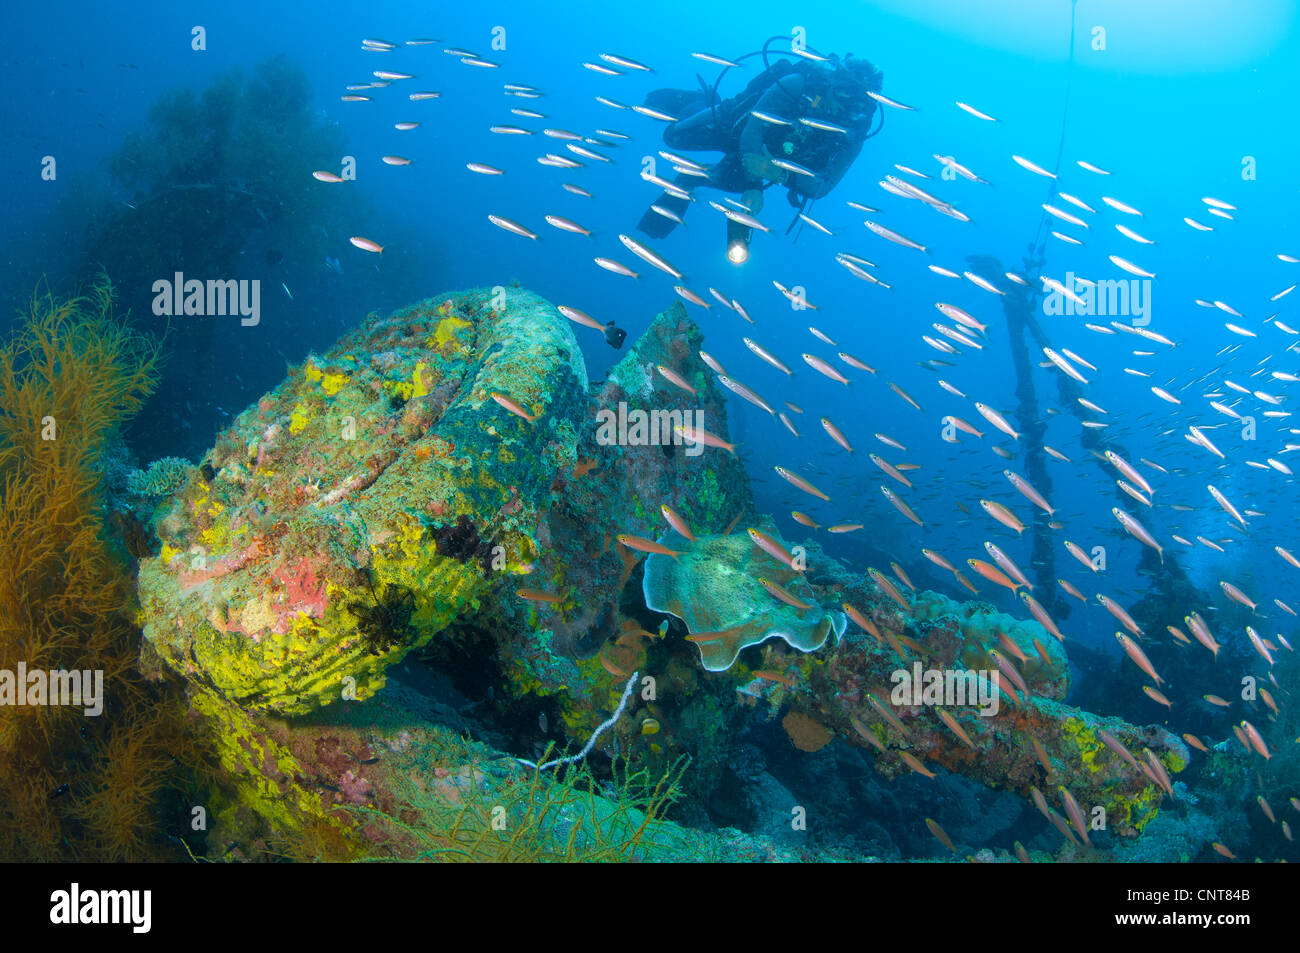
pixel 1176 101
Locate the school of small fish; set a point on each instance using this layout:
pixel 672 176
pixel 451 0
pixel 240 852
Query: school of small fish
pixel 1248 385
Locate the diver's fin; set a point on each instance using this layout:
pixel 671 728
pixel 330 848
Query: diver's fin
pixel 660 226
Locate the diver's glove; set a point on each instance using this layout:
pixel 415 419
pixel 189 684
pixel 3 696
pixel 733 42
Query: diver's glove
pixel 760 166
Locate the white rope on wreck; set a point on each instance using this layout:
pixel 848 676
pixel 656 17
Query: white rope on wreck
pixel 591 742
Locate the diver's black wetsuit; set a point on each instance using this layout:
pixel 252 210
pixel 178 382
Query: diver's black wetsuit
pixel 787 92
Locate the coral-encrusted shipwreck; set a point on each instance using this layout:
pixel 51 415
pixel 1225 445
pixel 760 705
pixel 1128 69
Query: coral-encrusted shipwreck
pixel 381 500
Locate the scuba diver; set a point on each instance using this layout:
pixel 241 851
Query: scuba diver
pixel 798 125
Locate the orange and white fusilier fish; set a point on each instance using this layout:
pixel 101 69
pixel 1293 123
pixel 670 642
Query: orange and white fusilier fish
pixel 1077 552
pixel 1134 652
pixel 997 420
pixel 1119 206
pixel 654 114
pixel 321 176
pixel 890 235
pixel 993 574
pixel 1158 771
pixel 1003 515
pixel 692 297
pixel 1008 565
pixel 796 480
pixel 1131 268
pixel 890 469
pixel 795 299
pixel 1236 595
pixel 885 100
pixel 1033 167
pixel 1256 740
pixel 511 226
pixel 579 317
pixel 901 506
pixel 887 587
pixel 1010 671
pixel 674 378
pixel 366 244
pixel 938 560
pixel 676 522
pixel 844 528
pixel 1266 808
pixel 504 130
pixel 773 548
pixel 646 545
pixel 1027 490
pixel 891 442
pixel 1157 697
pixel 355 98
pixel 820 336
pixel 861 620
pixel 1076 815
pixel 1259 645
pixel 983 283
pixel 482 168
pixel 779 593
pixel 962 425
pixel 1130 471
pixel 700 435
pixel 954 313
pixel 852 361
pixel 1223 851
pixel 395 160
pixel 905 395
pixel 1039 613
pixel 1202 633
pixel 1063 215
pixel 576 189
pixel 868 735
pixel 1115 745
pixel 804 519
pixel 625 62
pixel 940 834
pixel 1287 555
pixel 1117 610
pixel 911 760
pixel 835 434
pixel 766 356
pixel 788 426
pixel 902 576
pixel 738 388
pixel 567 225
pixel 537 595
pixel 1072 590
pixel 1064 365
pixel 975 112
pixel 817 364
pixel 513 406
pixel 1178 634
pixel 1195 742
pixel 1040 802
pixel 712 363
pixel 816 224
pixel 966 583
pixel 648 255
pixel 1137 530
pixel 1133 492
pixel 742 218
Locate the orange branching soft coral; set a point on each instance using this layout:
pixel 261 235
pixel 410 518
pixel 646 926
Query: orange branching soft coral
pixel 75 787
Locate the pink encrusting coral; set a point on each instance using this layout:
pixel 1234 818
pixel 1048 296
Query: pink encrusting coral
pixel 304 593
